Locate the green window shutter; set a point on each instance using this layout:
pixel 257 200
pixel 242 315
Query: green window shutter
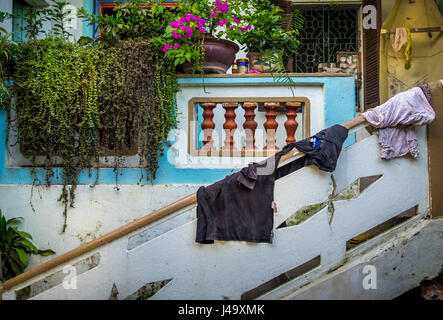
pixel 18 24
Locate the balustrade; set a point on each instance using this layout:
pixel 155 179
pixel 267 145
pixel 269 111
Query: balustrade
pixel 229 126
pixel 249 126
pixel 208 126
pixel 271 107
pixel 271 126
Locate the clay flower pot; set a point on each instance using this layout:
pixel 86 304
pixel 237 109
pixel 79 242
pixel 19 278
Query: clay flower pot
pixel 219 56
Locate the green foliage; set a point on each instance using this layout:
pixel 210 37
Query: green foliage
pixel 33 20
pixel 59 16
pixel 227 20
pixel 34 17
pixel 56 106
pixel 132 19
pixel 15 248
pixel 7 49
pixel 272 30
pixel 75 103
pixel 137 93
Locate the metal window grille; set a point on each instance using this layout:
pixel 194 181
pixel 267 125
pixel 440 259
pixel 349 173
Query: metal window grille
pixel 328 30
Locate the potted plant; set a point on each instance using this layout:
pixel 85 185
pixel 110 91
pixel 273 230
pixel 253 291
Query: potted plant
pixel 202 35
pixel 273 38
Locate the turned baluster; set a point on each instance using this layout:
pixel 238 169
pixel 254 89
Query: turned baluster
pixel 208 126
pixel 291 124
pixel 250 125
pixel 229 126
pixel 271 126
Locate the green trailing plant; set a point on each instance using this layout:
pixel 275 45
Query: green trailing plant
pixel 138 92
pixel 15 248
pixel 75 104
pixel 56 108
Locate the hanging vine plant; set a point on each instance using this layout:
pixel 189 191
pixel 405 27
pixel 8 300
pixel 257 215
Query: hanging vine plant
pixel 56 108
pixel 137 94
pixel 75 104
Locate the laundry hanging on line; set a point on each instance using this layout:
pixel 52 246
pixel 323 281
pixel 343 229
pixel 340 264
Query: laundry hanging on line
pixel 239 207
pixel 397 119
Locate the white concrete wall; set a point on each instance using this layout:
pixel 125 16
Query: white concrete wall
pixel 97 211
pixel 396 266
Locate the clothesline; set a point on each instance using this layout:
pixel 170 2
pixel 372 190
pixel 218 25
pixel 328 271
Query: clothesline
pixel 415 30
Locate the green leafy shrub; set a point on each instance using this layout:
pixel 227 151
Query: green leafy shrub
pixel 7 49
pixel 131 19
pixel 15 248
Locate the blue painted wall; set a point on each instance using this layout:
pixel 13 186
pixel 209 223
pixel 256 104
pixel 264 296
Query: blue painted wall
pixel 339 96
pixel 87 29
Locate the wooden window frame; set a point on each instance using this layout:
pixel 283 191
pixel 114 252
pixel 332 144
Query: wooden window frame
pixel 371 59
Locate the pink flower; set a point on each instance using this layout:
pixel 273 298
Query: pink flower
pixel 188 17
pixel 188 31
pixel 201 28
pixel 213 14
pixel 175 35
pixel 235 19
pixel 221 23
pixel 176 45
pixel 176 24
pixel 166 47
pixel 224 7
pixel 249 27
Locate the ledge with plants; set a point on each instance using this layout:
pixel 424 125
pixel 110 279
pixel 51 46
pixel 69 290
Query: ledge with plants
pixel 77 101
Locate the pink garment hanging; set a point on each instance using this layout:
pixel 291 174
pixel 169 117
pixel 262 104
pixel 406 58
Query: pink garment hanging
pixel 396 118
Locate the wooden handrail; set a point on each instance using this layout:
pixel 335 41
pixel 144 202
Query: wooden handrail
pixel 130 227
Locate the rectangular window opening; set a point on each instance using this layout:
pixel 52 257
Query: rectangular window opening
pixel 281 279
pixel 381 228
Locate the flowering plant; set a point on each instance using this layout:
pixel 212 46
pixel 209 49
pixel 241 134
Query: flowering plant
pixel 194 21
pixel 257 24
